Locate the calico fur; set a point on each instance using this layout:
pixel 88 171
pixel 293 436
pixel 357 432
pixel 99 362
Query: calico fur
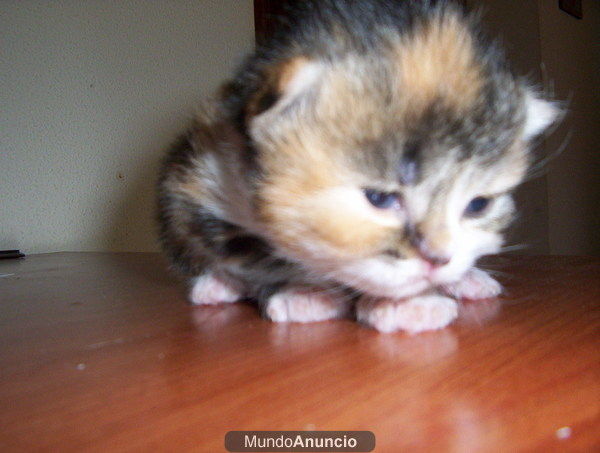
pixel 264 196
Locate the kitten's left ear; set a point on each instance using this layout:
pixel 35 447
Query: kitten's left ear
pixel 539 114
pixel 284 83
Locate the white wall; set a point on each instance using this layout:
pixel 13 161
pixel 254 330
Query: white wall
pixel 91 92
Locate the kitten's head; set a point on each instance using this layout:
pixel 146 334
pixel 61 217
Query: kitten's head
pixel 391 170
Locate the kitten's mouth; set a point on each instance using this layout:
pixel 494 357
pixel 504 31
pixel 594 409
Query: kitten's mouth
pixel 437 275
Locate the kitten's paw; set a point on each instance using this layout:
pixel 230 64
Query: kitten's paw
pixel 305 305
pixel 475 284
pixel 427 312
pixel 210 289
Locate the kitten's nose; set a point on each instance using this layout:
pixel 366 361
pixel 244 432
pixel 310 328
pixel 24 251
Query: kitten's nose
pixel 434 257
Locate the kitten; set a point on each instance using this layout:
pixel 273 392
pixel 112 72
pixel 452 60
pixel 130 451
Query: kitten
pixel 362 159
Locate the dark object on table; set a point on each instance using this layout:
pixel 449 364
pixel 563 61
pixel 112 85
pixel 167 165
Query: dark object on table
pixel 573 7
pixel 6 254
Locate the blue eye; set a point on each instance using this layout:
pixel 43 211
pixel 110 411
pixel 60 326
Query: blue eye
pixel 382 200
pixel 477 206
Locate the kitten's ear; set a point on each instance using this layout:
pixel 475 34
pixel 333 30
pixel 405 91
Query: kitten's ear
pixel 285 83
pixel 539 114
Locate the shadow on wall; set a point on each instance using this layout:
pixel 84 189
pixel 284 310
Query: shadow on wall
pixel 133 227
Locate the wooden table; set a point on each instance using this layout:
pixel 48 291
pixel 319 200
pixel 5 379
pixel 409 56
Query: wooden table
pixel 100 352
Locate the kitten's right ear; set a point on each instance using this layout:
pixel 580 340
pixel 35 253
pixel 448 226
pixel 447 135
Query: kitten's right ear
pixel 284 84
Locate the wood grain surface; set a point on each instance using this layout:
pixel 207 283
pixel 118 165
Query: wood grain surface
pixel 100 352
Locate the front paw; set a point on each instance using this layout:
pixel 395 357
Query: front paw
pixel 417 314
pixel 211 289
pixel 299 304
pixel 474 285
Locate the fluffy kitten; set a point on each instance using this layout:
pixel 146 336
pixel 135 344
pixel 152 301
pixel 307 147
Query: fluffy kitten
pixel 362 159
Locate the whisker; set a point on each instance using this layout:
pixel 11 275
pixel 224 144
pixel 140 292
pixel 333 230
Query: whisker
pixel 510 248
pixel 539 168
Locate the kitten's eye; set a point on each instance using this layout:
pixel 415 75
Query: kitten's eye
pixel 383 200
pixel 477 206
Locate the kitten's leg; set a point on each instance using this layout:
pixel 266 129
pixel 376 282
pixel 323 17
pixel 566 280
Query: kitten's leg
pixel 212 288
pixel 419 313
pixel 303 304
pixel 475 284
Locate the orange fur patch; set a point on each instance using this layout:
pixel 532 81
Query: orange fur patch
pixel 191 187
pixel 275 82
pixel 338 220
pixel 436 233
pixel 301 205
pixel 438 62
pixel 287 71
pixel 321 218
pixel 351 106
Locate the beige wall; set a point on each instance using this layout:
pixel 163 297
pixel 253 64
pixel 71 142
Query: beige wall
pixel 91 92
pixel 559 210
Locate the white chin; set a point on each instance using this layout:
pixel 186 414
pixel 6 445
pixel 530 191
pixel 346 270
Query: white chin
pixel 397 291
pixel 453 271
pixel 383 279
pixel 443 277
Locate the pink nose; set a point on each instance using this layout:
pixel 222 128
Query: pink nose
pixel 434 257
